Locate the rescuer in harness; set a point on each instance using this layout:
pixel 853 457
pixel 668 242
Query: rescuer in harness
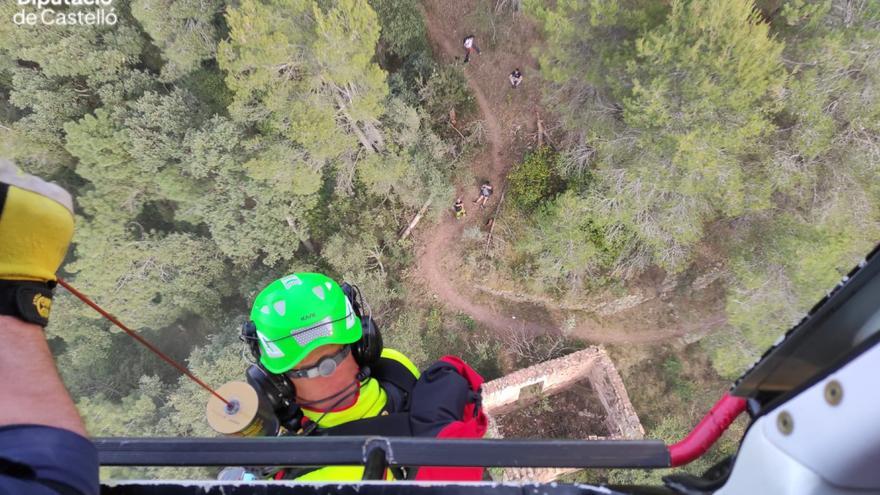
pixel 320 362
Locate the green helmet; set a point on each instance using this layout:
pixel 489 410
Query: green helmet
pixel 298 313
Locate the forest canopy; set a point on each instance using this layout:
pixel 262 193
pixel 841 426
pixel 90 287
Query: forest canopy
pixel 742 134
pixel 215 145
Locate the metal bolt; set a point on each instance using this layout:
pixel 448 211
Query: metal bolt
pixel 785 423
pixel 833 392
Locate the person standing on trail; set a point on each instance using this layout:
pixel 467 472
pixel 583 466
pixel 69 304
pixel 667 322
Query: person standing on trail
pixel 470 46
pixel 485 192
pixel 458 208
pixel 516 78
pixel 320 362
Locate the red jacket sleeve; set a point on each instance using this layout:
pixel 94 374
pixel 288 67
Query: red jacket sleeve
pixel 453 390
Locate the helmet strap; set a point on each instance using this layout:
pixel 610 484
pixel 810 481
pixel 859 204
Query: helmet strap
pixel 363 374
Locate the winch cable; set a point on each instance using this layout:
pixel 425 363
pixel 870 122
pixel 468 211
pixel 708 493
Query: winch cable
pixel 82 297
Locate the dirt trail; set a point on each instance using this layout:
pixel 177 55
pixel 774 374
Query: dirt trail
pixel 437 259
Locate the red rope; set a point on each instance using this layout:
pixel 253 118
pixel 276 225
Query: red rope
pixel 82 297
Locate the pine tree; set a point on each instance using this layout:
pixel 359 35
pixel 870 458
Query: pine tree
pixel 305 74
pixel 184 30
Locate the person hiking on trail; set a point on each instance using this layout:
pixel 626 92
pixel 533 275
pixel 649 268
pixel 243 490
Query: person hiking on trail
pixel 470 46
pixel 458 208
pixel 516 78
pixel 320 363
pixel 485 192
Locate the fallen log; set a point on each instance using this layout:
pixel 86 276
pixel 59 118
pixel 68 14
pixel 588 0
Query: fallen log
pixel 415 220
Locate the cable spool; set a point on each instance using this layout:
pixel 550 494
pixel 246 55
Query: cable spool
pixel 247 415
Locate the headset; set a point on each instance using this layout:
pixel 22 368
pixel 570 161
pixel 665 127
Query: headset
pixel 280 391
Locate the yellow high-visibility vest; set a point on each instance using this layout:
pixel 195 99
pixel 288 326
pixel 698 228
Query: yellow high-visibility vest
pixel 370 402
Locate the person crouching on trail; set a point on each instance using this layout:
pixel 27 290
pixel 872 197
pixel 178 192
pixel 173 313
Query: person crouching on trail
pixel 485 192
pixel 470 46
pixel 321 363
pixel 516 78
pixel 458 208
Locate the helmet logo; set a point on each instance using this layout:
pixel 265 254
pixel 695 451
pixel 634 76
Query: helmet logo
pixel 290 280
pixel 272 350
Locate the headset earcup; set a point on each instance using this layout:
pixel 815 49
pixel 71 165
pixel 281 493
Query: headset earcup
pixel 249 335
pixel 368 349
pixel 279 391
pixel 349 292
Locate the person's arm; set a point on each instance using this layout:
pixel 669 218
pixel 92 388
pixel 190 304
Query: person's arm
pixel 43 448
pixel 438 399
pixel 30 386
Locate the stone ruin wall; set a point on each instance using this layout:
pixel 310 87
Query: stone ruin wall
pixel 622 420
pixel 518 389
pixel 503 394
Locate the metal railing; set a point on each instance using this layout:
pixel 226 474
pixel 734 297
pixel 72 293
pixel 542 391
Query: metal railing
pixel 398 451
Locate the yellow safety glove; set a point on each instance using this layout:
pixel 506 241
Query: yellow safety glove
pixel 36 226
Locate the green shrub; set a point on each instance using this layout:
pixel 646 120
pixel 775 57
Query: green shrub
pixel 534 180
pixel 403 27
pixel 446 90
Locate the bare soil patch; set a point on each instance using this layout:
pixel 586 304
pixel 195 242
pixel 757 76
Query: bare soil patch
pixel 574 413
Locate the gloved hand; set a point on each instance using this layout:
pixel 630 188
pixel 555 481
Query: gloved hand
pixel 36 226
